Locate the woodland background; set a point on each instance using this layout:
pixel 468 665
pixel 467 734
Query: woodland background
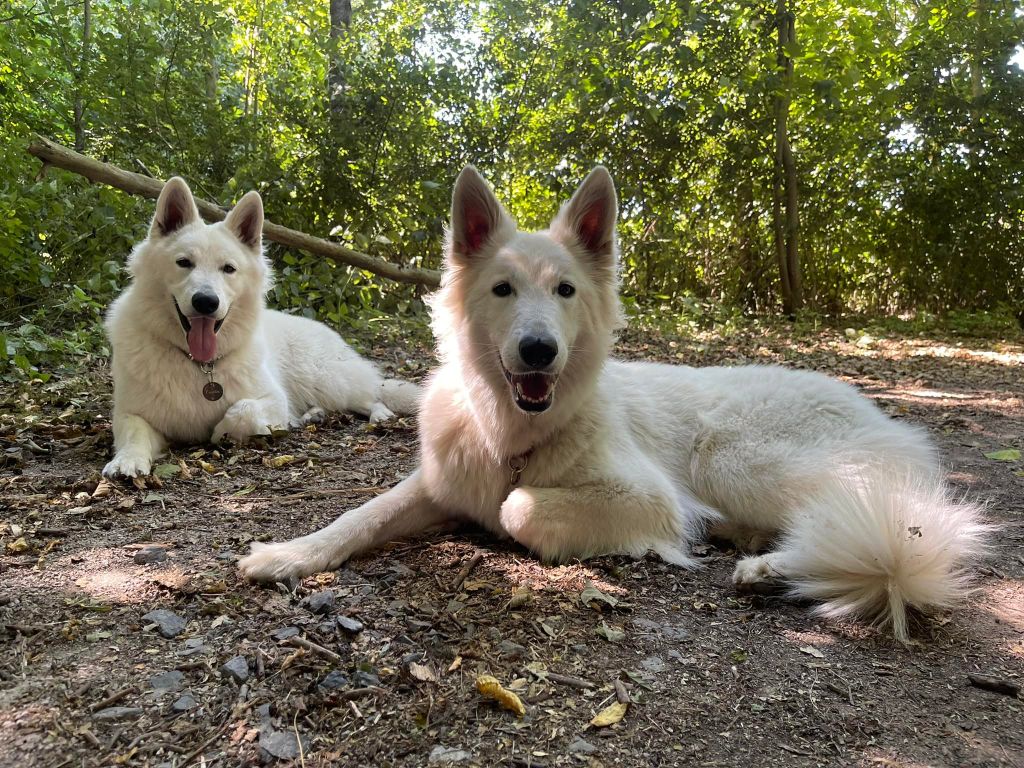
pixel 805 158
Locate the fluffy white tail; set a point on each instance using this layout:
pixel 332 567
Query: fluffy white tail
pixel 876 542
pixel 402 397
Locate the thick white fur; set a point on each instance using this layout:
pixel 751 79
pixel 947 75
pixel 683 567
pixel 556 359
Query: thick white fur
pixel 277 370
pixel 632 457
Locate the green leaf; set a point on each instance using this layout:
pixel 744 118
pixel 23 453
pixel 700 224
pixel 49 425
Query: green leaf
pixel 165 471
pixel 1007 454
pixel 610 633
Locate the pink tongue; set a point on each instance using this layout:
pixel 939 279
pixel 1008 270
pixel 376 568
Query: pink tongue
pixel 534 385
pixel 202 339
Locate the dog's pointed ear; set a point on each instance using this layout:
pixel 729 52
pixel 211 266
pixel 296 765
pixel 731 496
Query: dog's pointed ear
pixel 175 208
pixel 588 219
pixel 245 221
pixel 477 217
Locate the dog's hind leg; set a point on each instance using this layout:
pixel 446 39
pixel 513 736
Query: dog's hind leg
pixel 136 444
pixel 403 511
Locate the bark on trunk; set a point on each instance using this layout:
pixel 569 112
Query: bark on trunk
pixel 785 197
pixel 341 19
pixel 83 73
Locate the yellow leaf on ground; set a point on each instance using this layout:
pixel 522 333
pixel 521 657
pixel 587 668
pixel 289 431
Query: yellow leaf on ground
pixel 17 546
pixel 610 715
pixel 492 689
pixel 277 462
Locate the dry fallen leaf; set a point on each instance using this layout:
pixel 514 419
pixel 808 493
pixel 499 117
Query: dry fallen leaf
pixel 490 688
pixel 810 650
pixel 610 715
pixel 456 663
pixel 17 546
pixel 279 461
pixel 422 672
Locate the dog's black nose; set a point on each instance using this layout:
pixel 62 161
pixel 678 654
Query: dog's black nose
pixel 205 303
pixel 538 352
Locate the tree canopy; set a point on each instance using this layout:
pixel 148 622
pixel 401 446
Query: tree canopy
pixel 905 122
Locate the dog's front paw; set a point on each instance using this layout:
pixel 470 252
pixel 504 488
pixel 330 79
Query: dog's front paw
pixel 380 412
pixel 285 562
pixel 524 517
pixel 126 464
pixel 243 420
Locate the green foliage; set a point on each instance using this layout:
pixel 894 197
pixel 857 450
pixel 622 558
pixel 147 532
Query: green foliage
pixel 905 123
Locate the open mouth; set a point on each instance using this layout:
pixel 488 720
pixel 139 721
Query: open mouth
pixel 201 334
pixel 533 391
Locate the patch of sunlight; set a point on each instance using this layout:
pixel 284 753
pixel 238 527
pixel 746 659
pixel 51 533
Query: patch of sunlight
pixel 1005 600
pixel 986 355
pixel 876 757
pixel 816 639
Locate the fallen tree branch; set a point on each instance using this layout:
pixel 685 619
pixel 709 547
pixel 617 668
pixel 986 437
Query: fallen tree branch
pixel 60 156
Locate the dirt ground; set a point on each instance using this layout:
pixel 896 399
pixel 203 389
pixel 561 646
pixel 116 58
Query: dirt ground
pixel 377 664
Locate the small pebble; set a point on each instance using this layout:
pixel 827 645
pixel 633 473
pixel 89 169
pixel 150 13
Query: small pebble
pixel 168 681
pixel 363 679
pixel 350 625
pixel 321 602
pixel 511 650
pixel 237 669
pixel 184 703
pixel 282 744
pixel 168 623
pixel 150 555
pixel 442 755
pixel 284 633
pixel 582 747
pixel 333 681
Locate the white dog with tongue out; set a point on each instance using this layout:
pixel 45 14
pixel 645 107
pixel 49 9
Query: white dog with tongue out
pixel 198 356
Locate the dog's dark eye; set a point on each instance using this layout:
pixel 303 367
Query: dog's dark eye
pixel 230 269
pixel 185 263
pixel 565 290
pixel 502 289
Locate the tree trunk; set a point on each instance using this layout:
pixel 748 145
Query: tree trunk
pixel 83 73
pixel 341 19
pixel 785 194
pixel 745 231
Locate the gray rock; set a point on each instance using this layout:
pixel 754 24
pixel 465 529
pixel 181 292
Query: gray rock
pixel 350 625
pixel 236 668
pixel 184 703
pixel 192 646
pixel 168 623
pixel 333 681
pixel 321 602
pixel 282 744
pixel 168 681
pixel 510 650
pixel 149 555
pixel 284 633
pixel 653 664
pixel 582 747
pixel 442 755
pixel 113 714
pixel 362 678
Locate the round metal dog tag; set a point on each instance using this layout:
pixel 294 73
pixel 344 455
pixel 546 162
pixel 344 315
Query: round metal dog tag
pixel 213 391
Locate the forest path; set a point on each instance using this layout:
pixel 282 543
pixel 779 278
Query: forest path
pixel 388 675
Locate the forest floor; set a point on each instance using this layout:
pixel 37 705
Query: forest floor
pixel 376 664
